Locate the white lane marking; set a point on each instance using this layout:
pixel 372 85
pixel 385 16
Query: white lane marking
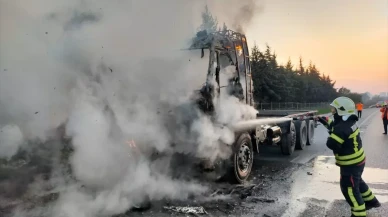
pixel 295 159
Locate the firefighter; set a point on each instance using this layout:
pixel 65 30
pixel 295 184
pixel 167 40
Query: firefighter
pixel 384 116
pixel 346 144
pixel 359 106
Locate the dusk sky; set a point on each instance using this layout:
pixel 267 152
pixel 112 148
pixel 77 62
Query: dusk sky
pixel 347 39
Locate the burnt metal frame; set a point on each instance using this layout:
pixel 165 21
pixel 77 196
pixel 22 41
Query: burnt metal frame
pixel 224 43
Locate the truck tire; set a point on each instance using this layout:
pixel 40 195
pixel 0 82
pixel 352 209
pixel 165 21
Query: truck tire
pixel 241 160
pixel 310 132
pixel 301 135
pixel 288 140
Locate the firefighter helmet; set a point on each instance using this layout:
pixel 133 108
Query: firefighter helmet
pixel 344 106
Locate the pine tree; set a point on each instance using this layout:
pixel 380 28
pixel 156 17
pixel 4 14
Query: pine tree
pixel 224 28
pixel 209 23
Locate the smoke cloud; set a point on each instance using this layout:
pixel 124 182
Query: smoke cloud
pixel 11 138
pixel 109 72
pixel 237 14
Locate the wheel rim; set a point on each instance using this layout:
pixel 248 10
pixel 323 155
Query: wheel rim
pixel 244 159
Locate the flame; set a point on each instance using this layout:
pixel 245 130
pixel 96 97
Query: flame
pixel 239 50
pixel 238 47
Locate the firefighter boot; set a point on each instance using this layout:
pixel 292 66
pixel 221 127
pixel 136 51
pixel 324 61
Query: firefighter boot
pixel 372 204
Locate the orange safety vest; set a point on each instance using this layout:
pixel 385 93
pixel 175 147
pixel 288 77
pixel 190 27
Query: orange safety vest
pixel 383 110
pixel 359 106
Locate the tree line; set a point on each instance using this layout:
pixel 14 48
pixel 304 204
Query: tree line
pixel 275 82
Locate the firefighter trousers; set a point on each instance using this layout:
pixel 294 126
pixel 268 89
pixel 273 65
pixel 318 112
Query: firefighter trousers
pixel 355 190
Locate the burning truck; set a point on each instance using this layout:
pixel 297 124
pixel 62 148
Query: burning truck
pixel 229 76
pixel 227 51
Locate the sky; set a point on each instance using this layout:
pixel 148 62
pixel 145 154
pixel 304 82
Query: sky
pixel 347 39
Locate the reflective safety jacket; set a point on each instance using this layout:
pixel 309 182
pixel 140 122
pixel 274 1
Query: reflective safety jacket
pixel 384 113
pixel 359 106
pixel 345 142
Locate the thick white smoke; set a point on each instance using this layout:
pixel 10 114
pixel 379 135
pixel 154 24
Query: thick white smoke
pixel 10 139
pixel 112 71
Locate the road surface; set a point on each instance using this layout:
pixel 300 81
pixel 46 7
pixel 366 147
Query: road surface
pixel 305 184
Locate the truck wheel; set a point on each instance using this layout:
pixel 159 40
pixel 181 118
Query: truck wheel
pixel 301 135
pixel 242 159
pixel 311 130
pixel 288 140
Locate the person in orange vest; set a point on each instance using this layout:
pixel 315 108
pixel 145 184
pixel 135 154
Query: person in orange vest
pixel 359 106
pixel 384 116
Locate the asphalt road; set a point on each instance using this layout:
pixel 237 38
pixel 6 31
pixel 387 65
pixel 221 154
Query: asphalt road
pixel 305 184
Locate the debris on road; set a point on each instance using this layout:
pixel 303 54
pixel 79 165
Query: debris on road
pixel 309 173
pixel 187 210
pixel 262 200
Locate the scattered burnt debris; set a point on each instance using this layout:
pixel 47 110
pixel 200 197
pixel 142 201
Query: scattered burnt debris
pixel 187 210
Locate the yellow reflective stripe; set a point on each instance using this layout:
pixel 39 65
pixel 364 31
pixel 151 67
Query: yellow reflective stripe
pixel 354 134
pixel 369 198
pixel 356 208
pixel 336 138
pixel 359 213
pixel 366 193
pixel 355 144
pixel 352 198
pixel 360 208
pixel 351 156
pixel 336 103
pixel 351 162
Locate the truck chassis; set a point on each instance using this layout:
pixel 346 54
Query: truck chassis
pixel 294 133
